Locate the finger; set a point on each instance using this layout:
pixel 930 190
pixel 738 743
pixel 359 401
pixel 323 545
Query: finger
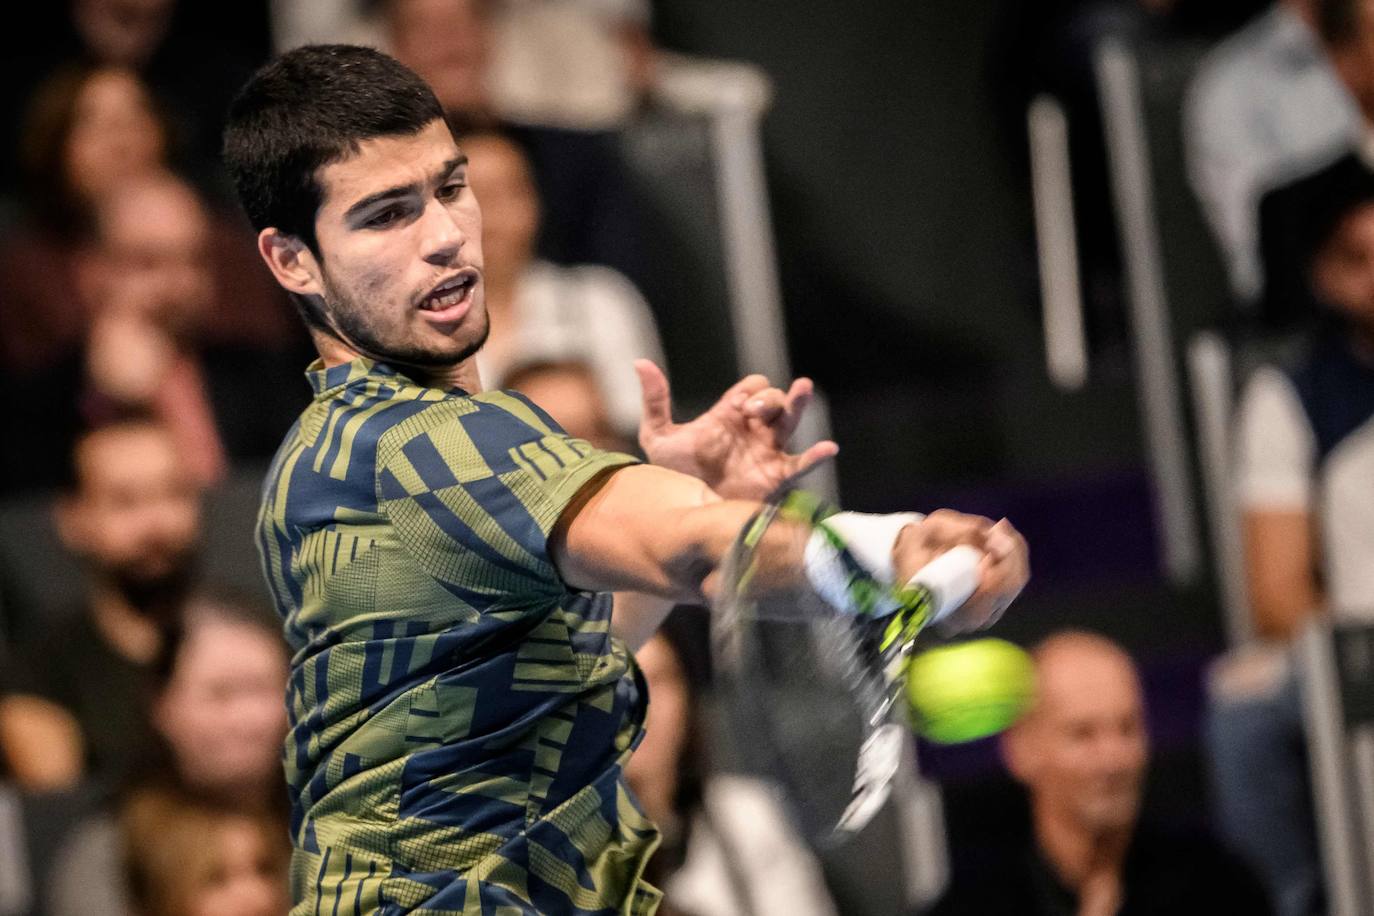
pixel 799 395
pixel 797 465
pixel 945 528
pixel 658 398
pixel 766 406
pixel 1002 538
pixel 738 394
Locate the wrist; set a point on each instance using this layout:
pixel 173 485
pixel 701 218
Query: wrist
pixel 848 560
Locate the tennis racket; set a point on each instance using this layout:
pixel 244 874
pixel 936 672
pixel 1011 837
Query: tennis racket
pixel 813 691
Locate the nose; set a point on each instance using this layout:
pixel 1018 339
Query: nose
pixel 443 237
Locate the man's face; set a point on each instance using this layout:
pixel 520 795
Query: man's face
pixel 154 242
pixel 445 42
pixel 1343 270
pixel 136 514
pixel 400 242
pixel 1082 753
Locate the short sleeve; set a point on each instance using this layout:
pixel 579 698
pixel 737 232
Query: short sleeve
pixel 473 487
pixel 1275 446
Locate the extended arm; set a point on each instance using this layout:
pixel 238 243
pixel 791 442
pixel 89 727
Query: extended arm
pixel 653 530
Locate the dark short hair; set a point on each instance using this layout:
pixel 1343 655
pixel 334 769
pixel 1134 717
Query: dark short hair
pixel 312 106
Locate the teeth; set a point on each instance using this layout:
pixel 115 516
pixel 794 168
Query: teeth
pixel 448 295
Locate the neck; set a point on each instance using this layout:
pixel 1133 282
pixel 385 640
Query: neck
pixel 464 376
pixel 1076 854
pixel 130 633
pixel 334 352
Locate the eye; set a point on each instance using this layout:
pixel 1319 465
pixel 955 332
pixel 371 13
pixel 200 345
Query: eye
pixel 383 218
pixel 452 190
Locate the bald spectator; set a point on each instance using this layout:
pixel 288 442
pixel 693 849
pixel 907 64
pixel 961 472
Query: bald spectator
pixel 1082 755
pixel 75 704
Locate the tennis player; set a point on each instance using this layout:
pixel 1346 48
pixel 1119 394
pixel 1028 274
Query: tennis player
pixel 442 555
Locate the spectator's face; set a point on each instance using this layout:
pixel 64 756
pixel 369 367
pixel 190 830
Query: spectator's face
pixel 570 395
pixel 401 276
pixel 122 32
pixel 1082 752
pixel 445 42
pixel 653 770
pixel 222 711
pixel 136 513
pixel 501 176
pixel 1343 271
pixel 154 239
pixel 114 135
pixel 248 881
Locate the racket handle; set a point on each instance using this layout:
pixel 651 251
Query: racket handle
pixel 951 578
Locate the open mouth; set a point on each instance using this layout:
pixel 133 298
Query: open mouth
pixel 450 296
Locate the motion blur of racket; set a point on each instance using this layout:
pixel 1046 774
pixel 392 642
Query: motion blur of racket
pixel 817 695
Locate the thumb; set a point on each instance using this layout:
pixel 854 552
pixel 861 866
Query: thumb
pixel 658 400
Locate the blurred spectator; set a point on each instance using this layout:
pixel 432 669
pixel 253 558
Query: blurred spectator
pixel 218 710
pixel 1292 90
pixel 585 64
pixel 1305 462
pixel 173 321
pixel 1082 753
pixel 186 856
pixel 591 215
pixel 1305 459
pixel 149 277
pixel 88 131
pixel 544 312
pixel 75 704
pixel 570 392
pixel 107 239
pixel 728 849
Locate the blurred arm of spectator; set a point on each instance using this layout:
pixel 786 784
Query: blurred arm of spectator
pixel 41 742
pixel 1277 457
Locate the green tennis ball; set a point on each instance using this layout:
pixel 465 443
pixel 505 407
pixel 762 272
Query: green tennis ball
pixel 969 690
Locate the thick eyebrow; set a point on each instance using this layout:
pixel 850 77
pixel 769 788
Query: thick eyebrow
pixel 404 190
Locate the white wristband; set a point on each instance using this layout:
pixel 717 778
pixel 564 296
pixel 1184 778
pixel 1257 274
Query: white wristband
pixel 950 578
pixel 868 539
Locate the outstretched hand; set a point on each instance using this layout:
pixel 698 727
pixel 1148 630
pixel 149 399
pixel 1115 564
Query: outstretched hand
pixel 739 446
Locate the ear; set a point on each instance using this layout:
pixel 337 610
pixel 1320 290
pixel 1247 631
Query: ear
pixel 291 262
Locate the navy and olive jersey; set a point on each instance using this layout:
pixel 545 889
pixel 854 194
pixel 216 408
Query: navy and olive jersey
pixel 459 715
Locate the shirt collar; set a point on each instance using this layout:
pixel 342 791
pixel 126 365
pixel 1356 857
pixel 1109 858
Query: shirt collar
pixel 326 380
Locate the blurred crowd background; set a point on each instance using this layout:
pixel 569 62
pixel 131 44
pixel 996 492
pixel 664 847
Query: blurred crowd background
pixel 1103 266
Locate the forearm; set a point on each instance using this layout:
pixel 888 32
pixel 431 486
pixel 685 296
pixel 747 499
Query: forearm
pixel 1280 566
pixel 665 534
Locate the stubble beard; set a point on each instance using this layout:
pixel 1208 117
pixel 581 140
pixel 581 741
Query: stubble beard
pixel 351 324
